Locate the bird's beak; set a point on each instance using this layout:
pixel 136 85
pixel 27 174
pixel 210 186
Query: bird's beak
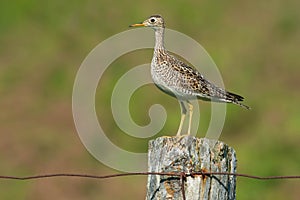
pixel 136 25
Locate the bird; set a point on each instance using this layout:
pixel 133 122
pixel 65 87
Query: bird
pixel 178 79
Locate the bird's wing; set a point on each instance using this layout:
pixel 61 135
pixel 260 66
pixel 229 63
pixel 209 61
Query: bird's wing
pixel 202 88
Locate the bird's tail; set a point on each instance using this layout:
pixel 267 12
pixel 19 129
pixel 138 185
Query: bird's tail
pixel 235 99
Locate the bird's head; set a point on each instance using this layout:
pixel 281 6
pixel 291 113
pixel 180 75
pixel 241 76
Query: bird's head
pixel 154 21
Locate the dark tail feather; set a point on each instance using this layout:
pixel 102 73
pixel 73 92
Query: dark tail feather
pixel 242 105
pixel 235 99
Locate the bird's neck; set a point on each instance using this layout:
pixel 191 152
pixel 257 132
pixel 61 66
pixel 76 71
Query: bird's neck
pixel 159 39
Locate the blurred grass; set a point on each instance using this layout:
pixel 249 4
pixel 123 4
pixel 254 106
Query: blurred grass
pixel 254 43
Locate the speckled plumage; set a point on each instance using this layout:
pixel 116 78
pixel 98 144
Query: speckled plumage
pixel 178 79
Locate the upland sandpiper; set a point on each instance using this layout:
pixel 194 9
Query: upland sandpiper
pixel 176 78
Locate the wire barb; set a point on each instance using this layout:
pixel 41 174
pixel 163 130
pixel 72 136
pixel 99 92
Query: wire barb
pixel 183 176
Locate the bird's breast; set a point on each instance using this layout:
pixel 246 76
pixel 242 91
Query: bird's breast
pixel 161 73
pixel 166 78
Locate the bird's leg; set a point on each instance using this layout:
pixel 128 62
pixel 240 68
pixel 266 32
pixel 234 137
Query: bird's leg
pixel 183 114
pixel 190 116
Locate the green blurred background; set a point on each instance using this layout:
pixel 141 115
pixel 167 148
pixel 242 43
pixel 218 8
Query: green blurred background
pixel 255 44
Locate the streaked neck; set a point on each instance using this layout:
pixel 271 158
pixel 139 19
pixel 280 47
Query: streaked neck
pixel 159 39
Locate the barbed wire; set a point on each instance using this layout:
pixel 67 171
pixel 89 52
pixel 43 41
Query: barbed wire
pixel 182 175
pixel 148 173
pixel 178 174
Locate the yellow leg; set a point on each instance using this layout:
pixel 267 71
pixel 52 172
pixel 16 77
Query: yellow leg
pixel 183 114
pixel 190 117
pixel 181 124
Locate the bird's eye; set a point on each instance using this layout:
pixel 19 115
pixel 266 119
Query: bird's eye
pixel 152 20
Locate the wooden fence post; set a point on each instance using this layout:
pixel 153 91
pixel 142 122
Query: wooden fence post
pixel 190 154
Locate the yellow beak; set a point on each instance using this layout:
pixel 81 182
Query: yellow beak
pixel 135 25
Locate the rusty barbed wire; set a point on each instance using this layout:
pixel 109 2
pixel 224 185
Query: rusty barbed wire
pixel 181 175
pixel 178 174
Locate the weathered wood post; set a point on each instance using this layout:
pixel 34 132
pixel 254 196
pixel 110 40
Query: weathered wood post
pixel 190 154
